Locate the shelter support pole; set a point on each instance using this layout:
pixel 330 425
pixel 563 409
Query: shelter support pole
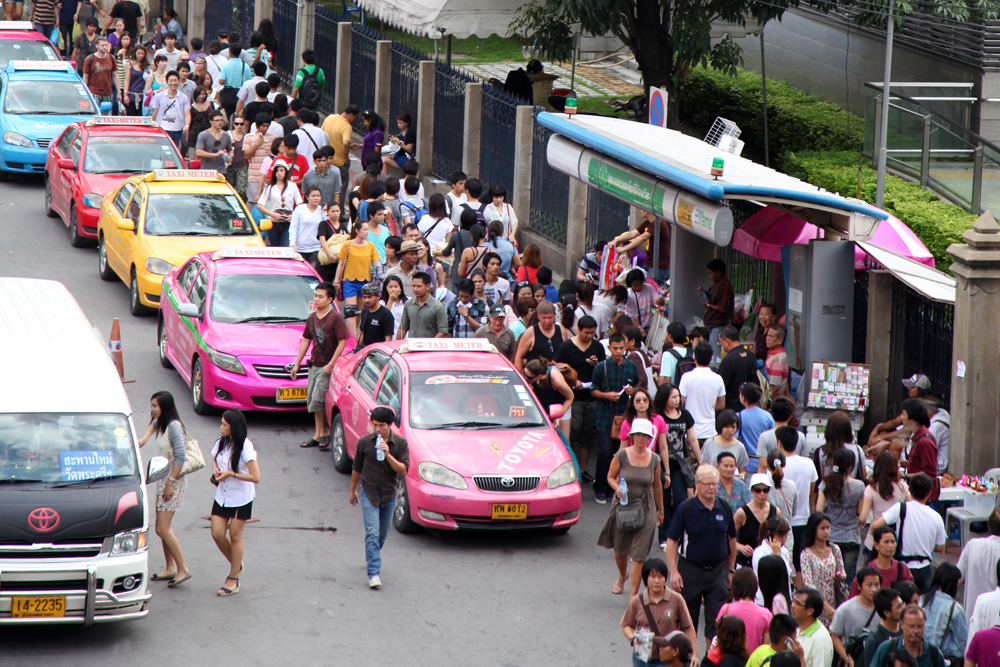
pixel 447 50
pixel 576 226
pixel 425 121
pixel 472 134
pixel 877 342
pixel 383 79
pixel 975 394
pixel 195 18
pixel 524 129
pixel 262 9
pixel 342 95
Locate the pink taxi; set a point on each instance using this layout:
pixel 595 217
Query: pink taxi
pixel 230 322
pixel 483 455
pixel 20 41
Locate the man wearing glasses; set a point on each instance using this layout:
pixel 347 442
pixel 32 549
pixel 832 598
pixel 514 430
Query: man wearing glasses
pixel 704 533
pixel 213 144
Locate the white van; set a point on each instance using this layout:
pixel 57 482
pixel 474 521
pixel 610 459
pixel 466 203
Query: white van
pixel 73 525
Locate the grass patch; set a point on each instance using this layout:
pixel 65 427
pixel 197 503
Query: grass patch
pixel 598 105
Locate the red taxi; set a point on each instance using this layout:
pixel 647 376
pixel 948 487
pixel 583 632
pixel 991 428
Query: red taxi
pixel 20 41
pixel 91 159
pixel 483 455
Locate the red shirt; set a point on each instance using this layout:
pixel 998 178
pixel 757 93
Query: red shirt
pixel 923 458
pixel 299 169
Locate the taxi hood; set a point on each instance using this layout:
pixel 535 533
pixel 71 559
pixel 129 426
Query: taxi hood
pixel 101 184
pixel 34 125
pixel 40 513
pixel 178 249
pixel 529 451
pixel 256 339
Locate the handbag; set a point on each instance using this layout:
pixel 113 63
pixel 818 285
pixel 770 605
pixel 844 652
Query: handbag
pixel 616 427
pixel 632 517
pixel 335 243
pixel 840 591
pixel 193 459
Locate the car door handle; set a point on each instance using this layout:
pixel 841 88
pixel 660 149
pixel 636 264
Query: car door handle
pixel 348 389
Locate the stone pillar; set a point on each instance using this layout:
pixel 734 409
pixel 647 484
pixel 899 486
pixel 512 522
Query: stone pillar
pixel 472 134
pixel 383 80
pixel 342 95
pixel 576 226
pixel 195 19
pixel 181 7
pixel 305 21
pixel 524 131
pixel 877 346
pixel 262 9
pixel 425 120
pixel 975 417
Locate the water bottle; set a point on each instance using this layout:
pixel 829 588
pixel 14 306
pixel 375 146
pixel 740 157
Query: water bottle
pixel 623 487
pixel 379 454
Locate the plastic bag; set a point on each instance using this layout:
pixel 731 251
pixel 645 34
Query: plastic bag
pixel 742 307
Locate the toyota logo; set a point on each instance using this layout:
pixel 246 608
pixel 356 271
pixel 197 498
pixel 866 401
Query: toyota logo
pixel 43 519
pixel 289 366
pixel 507 482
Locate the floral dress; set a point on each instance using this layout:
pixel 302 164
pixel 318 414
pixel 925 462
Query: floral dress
pixel 818 573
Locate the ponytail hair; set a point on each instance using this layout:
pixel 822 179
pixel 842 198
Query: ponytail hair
pixel 477 232
pixel 568 304
pixel 776 462
pixel 494 231
pixel 843 464
pixel 773 527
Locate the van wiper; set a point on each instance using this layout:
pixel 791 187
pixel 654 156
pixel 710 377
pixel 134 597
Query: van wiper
pixel 270 318
pixel 85 482
pixel 14 480
pixel 471 425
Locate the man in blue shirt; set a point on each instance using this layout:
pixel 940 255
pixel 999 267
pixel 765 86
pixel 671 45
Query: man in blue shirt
pixel 544 276
pixel 703 533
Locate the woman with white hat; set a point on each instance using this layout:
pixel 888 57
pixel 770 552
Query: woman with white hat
pixel 750 517
pixel 637 508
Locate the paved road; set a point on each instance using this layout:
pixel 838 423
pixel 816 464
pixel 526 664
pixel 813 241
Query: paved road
pixel 457 599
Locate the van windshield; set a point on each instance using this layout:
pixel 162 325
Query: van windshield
pixel 41 447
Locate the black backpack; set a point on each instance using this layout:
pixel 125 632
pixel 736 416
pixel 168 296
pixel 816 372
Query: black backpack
pixel 855 643
pixel 937 658
pixel 684 364
pixel 480 216
pixel 310 91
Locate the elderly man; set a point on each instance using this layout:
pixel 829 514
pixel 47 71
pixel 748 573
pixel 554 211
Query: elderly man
pixel 776 365
pixel 703 535
pixel 407 269
pixel 499 335
pixel 927 654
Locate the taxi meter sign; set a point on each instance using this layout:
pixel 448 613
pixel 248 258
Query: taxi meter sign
pixel 186 175
pixel 16 25
pixel 658 107
pixel 448 345
pixel 257 253
pixel 40 65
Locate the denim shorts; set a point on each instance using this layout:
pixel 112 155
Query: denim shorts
pixel 401 159
pixel 352 287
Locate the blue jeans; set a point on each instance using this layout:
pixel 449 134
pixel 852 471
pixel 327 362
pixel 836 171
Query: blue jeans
pixel 850 553
pixel 662 275
pixel 713 340
pixel 177 136
pixel 278 236
pixel 378 521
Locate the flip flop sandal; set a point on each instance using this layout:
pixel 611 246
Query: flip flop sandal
pixel 226 592
pixel 324 444
pixel 157 577
pixel 311 442
pixel 174 583
pixel 619 585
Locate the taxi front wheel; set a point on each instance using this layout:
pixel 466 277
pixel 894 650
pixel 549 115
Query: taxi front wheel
pixel 341 461
pixel 49 211
pixel 401 518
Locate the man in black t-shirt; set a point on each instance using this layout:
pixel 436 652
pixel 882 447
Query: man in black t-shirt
pixel 129 12
pixel 377 323
pixel 739 366
pixel 259 104
pixel 582 352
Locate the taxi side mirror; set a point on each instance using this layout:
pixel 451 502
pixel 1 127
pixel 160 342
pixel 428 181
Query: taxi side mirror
pixel 195 164
pixel 126 225
pixel 265 224
pixel 63 163
pixel 158 468
pixel 187 309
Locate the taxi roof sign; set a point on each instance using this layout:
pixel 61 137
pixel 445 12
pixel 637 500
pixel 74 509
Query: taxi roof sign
pixel 16 25
pixel 257 253
pixel 447 345
pixel 209 175
pixel 39 66
pixel 144 121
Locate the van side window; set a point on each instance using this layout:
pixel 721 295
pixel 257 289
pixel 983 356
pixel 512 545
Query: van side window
pixel 65 141
pixel 123 196
pixel 134 207
pixel 187 276
pixel 199 289
pixel 74 151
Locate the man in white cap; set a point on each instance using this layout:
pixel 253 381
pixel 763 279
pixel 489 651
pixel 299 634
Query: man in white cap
pixel 883 435
pixel 408 266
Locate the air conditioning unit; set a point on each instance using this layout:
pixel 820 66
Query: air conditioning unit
pixel 725 134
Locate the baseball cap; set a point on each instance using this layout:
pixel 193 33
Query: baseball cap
pixel 370 289
pixel 917 380
pixel 643 426
pixel 409 246
pixel 760 478
pixel 497 311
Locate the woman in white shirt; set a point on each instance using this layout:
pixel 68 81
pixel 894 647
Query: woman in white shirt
pixel 234 469
pixel 277 201
pixel 394 299
pixel 774 534
pixel 502 211
pixel 304 229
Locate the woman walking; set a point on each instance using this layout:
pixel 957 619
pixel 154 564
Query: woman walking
pixel 134 81
pixel 755 617
pixel 682 445
pixel 303 231
pixel 328 229
pixel 637 469
pixel 773 578
pixel 731 642
pixel 531 261
pixel 277 201
pixel 509 261
pixel 840 496
pixel 394 299
pixel 358 258
pixel 885 489
pixel 165 424
pixel 750 518
pixel 773 539
pixel 659 610
pixel 374 136
pixel 784 494
pixel 472 258
pixel 201 106
pixel 822 565
pixel 839 434
pixel 500 211
pixel 234 467
pixel 236 172
pixel 946 626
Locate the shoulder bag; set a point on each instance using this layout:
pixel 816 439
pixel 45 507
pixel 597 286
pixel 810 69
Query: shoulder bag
pixel 632 517
pixel 193 459
pixel 840 590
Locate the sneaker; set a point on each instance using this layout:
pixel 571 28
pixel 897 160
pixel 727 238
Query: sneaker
pixel 587 477
pixel 374 581
pixel 600 498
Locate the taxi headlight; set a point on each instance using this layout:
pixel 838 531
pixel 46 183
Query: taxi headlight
pixel 158 266
pixel 226 362
pixel 133 541
pixel 436 473
pixel 16 139
pixel 92 200
pixel 561 476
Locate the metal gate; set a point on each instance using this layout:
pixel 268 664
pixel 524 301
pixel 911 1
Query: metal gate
pixel 549 209
pixel 218 16
pixel 920 341
pixel 449 119
pixel 325 47
pixel 496 152
pixel 364 44
pixel 284 16
pixel 404 85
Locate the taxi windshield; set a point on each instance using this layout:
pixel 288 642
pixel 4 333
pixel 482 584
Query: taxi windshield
pixel 130 155
pixel 42 447
pixel 471 400
pixel 196 215
pixel 262 298
pixel 47 98
pixel 26 50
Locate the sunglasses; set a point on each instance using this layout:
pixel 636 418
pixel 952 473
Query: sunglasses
pixel 758 489
pixel 641 399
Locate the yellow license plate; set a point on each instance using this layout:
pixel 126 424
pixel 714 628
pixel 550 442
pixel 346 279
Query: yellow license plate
pixel 291 394
pixel 54 605
pixel 510 511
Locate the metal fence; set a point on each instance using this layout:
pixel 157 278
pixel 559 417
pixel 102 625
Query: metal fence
pixel 745 273
pixel 364 46
pixel 607 217
pixel 497 138
pixel 243 20
pixel 404 84
pixel 920 341
pixel 325 47
pixel 218 16
pixel 549 210
pixel 283 16
pixel 449 119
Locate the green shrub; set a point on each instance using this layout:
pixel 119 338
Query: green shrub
pixel 796 121
pixel 935 222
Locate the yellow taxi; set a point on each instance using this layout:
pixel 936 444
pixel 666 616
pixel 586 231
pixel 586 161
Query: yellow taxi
pixel 152 223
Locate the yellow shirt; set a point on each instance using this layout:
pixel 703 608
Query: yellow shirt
pixel 759 655
pixel 360 261
pixel 339 131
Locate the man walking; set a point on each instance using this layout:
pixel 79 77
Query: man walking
pixel 45 16
pixel 985 613
pixel 338 131
pixel 927 654
pixel 977 563
pixel 408 269
pixel 782 409
pixel 817 647
pixel 377 323
pixel 85 45
pixel 889 607
pixel 499 335
pixel 776 364
pixel 423 315
pixel 100 75
pixel 324 178
pixel 782 628
pixel 311 138
pixel 703 392
pixel 718 302
pixel 800 470
pixel 701 550
pixel 737 367
pixel 382 457
pixel 310 81
pixel 327 332
pixel 171 110
pixel 582 353
pixel 467 313
pixel 213 145
pixel 856 613
pixel 613 383
pixel 919 530
pixel 676 352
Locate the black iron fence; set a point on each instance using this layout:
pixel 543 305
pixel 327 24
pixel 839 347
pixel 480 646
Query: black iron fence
pixel 325 47
pixel 607 217
pixel 498 133
pixel 218 16
pixel 920 341
pixel 283 17
pixel 243 20
pixel 404 84
pixel 745 273
pixel 364 46
pixel 449 119
pixel 549 210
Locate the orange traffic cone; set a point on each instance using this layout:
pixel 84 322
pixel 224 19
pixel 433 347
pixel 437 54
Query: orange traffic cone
pixel 115 344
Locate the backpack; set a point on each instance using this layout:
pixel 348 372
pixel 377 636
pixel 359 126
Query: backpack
pixel 765 389
pixel 855 643
pixel 418 213
pixel 310 91
pixel 937 658
pixel 480 216
pixel 684 364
